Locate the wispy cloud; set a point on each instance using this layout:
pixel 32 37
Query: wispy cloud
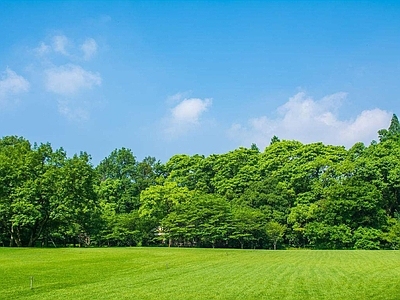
pixel 185 116
pixel 65 47
pixel 60 43
pixel 11 84
pixel 72 111
pixel 305 119
pixel 89 48
pixel 70 82
pixel 178 97
pixel 43 49
pixel 67 80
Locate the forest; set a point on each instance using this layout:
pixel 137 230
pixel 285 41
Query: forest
pixel 290 195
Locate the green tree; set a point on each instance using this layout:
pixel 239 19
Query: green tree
pixel 41 190
pixel 275 232
pixel 324 236
pixel 235 171
pixel 368 238
pixel 202 220
pixel 274 140
pixel 158 201
pixel 247 225
pixel 117 174
pixel 76 191
pixel 392 132
pixel 188 171
pixel 393 234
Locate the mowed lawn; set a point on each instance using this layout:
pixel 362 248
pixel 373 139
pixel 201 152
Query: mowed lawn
pixel 177 273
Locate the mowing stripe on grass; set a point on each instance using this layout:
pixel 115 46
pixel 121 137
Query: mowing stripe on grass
pixel 177 273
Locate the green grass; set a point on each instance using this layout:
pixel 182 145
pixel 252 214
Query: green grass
pixel 176 273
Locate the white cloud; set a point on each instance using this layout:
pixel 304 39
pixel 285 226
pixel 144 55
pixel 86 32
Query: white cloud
pixel 69 79
pixel 89 48
pixel 189 110
pixel 12 84
pixel 58 58
pixel 60 42
pixel 365 126
pixel 304 119
pixel 185 116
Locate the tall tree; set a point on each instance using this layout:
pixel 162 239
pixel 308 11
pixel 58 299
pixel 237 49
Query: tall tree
pixel 42 190
pixel 392 132
pixel 117 174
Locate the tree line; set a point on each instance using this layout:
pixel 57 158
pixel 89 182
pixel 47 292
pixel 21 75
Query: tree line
pixel 291 195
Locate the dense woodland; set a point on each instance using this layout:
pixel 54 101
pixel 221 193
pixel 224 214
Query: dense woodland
pixel 290 195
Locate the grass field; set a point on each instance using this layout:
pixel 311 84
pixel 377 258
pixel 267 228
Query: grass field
pixel 177 273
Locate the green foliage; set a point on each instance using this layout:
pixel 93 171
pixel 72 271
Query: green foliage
pixel 201 220
pixel 247 226
pixel 393 132
pixel 323 236
pixel 393 235
pixel 42 191
pixel 298 195
pixel 367 238
pixel 274 140
pixel 275 232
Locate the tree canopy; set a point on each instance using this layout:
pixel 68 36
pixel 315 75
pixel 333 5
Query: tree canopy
pixel 290 194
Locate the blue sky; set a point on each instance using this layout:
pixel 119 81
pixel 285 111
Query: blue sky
pixel 165 78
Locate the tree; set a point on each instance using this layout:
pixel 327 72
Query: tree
pixel 235 171
pixel 269 195
pixel 325 236
pixel 368 238
pixel 41 190
pixel 254 147
pixel 187 171
pixel 393 235
pixel 247 225
pixel 274 140
pixel 213 218
pixel 392 132
pixel 117 174
pixel 275 232
pixel 149 172
pixel 28 198
pixel 202 219
pixel 159 201
pixel 80 214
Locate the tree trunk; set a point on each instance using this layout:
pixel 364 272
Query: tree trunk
pixel 37 231
pixel 11 236
pixel 275 245
pixel 17 236
pixel 31 239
